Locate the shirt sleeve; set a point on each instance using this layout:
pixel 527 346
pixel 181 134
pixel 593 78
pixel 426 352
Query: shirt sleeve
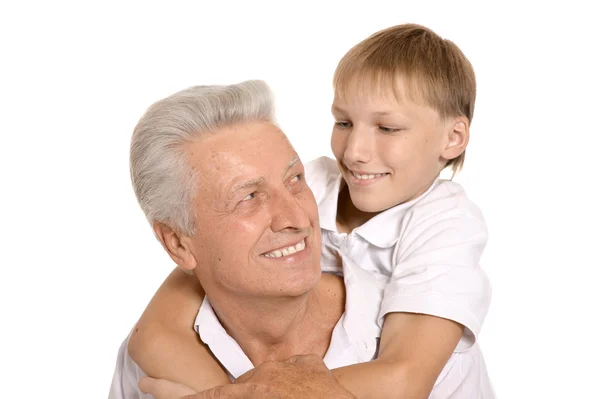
pixel 319 174
pixel 126 377
pixel 437 268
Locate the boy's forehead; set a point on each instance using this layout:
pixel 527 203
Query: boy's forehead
pixel 390 89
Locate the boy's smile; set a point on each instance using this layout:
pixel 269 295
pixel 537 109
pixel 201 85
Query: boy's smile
pixel 389 148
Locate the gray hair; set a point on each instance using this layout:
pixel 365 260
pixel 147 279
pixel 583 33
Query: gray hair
pixel 164 183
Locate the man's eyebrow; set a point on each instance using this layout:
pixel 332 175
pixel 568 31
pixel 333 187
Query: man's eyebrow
pixel 292 163
pixel 256 182
pixel 245 185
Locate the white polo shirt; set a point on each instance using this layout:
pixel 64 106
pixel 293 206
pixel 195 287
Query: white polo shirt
pixel 426 250
pixel 355 340
pixel 421 256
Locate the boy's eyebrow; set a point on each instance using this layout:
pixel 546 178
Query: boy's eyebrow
pixel 382 113
pixel 335 108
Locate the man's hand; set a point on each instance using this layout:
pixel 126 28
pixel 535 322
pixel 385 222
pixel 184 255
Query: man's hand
pixel 304 376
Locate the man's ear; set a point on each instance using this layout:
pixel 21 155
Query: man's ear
pixel 457 138
pixel 177 245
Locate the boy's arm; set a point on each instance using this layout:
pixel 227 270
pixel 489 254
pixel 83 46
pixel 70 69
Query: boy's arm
pixel 164 343
pixel 401 371
pixel 435 301
pixel 413 351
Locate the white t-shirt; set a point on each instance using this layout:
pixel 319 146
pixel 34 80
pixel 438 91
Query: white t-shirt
pixel 426 250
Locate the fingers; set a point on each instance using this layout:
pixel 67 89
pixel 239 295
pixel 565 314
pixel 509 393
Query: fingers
pixel 164 389
pixel 246 376
pixel 310 358
pixel 231 391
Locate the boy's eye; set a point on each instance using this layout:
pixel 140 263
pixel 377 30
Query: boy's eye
pixel 386 129
pixel 343 125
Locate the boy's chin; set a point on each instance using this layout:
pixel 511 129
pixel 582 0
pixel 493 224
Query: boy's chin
pixel 370 203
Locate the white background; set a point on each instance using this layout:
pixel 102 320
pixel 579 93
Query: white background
pixel 78 262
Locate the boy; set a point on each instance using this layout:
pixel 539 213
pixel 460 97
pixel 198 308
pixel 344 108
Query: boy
pixel 404 101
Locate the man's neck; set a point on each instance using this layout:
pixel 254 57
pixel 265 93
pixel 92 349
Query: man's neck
pixel 278 328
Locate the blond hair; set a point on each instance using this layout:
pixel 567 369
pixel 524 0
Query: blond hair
pixel 434 70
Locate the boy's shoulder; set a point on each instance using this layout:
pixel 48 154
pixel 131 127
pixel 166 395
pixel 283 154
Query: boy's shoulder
pixel 321 166
pixel 444 217
pixel 446 199
pixel 321 175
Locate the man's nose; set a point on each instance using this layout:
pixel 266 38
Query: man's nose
pixel 288 212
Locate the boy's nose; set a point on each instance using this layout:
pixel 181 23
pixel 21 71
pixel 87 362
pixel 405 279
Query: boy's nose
pixel 359 146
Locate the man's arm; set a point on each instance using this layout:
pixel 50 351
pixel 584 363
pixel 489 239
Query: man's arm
pixel 413 351
pixel 164 343
pixel 304 376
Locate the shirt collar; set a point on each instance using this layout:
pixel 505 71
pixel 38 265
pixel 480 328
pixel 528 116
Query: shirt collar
pixel 382 230
pixel 342 350
pixel 224 347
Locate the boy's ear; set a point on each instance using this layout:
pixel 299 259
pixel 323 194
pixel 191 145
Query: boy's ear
pixel 457 138
pixel 177 245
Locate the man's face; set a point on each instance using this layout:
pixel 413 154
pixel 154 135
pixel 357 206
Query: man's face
pixel 256 219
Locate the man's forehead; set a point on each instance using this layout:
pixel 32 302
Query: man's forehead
pixel 235 158
pixel 239 141
pixel 240 169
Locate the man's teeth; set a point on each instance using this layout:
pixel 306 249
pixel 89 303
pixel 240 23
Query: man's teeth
pixel 367 177
pixel 278 253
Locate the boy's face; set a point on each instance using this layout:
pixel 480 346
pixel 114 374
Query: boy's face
pixel 389 148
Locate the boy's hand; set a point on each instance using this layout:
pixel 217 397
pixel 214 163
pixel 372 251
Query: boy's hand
pixel 303 377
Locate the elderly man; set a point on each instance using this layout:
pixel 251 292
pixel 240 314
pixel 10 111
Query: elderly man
pixel 224 190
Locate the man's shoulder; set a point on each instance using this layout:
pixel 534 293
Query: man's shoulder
pixel 333 292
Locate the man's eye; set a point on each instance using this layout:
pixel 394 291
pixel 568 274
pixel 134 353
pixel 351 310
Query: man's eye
pixel 249 196
pixel 298 177
pixel 296 183
pixel 343 125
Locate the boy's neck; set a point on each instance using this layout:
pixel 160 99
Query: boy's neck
pixel 349 217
